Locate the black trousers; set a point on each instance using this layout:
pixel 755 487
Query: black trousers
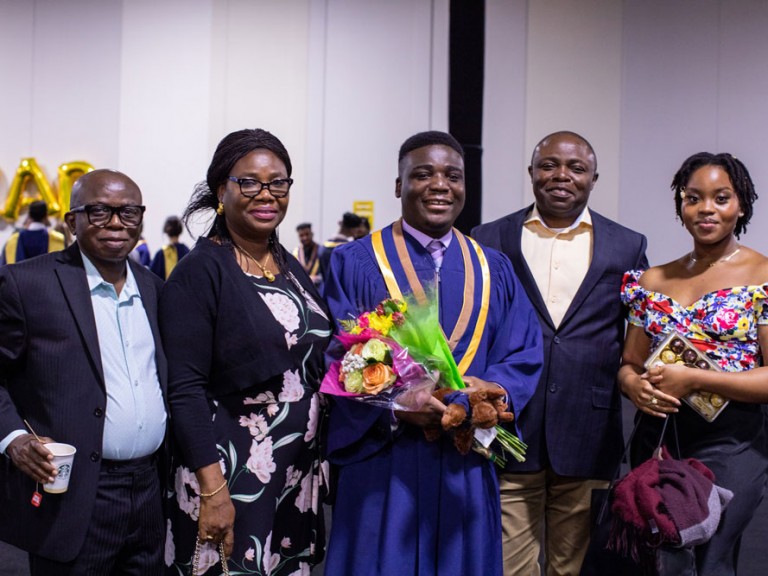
pixel 126 536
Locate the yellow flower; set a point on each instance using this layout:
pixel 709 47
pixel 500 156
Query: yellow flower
pixel 382 324
pixel 743 324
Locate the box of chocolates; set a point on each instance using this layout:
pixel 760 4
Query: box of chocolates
pixel 677 349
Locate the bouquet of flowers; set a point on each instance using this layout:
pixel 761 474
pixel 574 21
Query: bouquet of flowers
pixel 395 357
pixel 375 368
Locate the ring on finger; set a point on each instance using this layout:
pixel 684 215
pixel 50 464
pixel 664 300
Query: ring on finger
pixel 654 400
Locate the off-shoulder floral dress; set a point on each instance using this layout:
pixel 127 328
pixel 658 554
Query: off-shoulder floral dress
pixel 267 442
pixel 723 324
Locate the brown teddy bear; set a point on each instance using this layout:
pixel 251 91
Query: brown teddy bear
pixel 464 412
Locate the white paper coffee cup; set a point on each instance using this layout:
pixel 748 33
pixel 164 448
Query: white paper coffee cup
pixel 63 457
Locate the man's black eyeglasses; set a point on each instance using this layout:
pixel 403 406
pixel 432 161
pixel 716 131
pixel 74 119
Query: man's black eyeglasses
pixel 100 214
pixel 250 187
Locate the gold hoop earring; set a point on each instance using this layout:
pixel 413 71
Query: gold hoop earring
pixel 220 209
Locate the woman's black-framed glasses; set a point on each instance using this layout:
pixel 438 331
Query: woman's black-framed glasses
pixel 100 215
pixel 250 187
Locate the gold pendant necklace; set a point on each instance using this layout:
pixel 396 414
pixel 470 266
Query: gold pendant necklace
pixel 264 270
pixel 724 259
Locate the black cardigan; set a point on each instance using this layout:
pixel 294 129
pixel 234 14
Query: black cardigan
pixel 216 341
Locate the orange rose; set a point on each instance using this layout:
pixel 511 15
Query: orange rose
pixel 377 377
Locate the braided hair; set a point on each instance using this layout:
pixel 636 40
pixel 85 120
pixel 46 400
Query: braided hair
pixel 230 150
pixel 738 174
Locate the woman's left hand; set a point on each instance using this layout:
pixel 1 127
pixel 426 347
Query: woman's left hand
pixel 672 379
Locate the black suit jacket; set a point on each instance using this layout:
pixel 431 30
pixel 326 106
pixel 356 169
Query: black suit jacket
pixel 51 375
pixel 573 422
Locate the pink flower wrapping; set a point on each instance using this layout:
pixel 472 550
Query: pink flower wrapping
pixel 409 387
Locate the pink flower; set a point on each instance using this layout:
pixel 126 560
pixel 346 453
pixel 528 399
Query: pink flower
pixel 308 494
pixel 170 548
pixel 291 476
pixel 312 423
pixel 727 318
pixel 283 309
pixel 208 557
pixel 262 398
pixel 190 505
pixel 285 542
pixel 249 554
pixel 302 571
pixel 292 390
pixel 261 462
pixel 269 560
pixel 256 425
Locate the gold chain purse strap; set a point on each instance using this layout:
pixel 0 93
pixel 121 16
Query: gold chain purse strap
pixel 196 559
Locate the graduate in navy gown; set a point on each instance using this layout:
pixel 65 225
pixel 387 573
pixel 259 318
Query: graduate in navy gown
pixel 406 506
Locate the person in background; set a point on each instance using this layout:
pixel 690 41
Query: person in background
pixel 34 239
pixel 245 332
pixel 168 256
pixel 404 505
pixel 364 229
pixel 308 252
pixel 716 295
pixel 570 260
pixel 82 363
pixel 141 254
pixel 348 227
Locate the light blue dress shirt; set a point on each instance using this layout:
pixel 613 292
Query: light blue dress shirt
pixel 135 415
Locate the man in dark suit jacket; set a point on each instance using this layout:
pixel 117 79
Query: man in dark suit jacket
pixel 570 261
pixel 81 362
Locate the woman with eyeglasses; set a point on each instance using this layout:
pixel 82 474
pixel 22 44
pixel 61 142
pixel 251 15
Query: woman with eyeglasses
pixel 244 331
pixel 716 296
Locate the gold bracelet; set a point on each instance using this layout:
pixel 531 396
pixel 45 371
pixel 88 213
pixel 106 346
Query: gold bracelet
pixel 219 489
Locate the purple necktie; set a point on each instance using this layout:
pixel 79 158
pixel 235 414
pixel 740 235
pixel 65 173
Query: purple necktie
pixel 436 249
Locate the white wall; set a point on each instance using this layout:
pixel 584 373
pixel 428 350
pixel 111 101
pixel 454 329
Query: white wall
pixel 164 103
pixel 550 66
pixel 150 87
pixel 385 77
pixel 504 107
pixel 695 79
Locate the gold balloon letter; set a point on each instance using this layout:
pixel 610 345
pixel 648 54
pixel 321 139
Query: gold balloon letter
pixel 68 173
pixel 28 170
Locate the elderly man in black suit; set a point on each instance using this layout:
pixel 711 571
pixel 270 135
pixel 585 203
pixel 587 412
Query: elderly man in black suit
pixel 570 261
pixel 81 362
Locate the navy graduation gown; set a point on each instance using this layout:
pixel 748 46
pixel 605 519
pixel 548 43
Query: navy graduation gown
pixel 406 506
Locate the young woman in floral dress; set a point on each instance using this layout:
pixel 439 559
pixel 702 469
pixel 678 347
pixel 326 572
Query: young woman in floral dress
pixel 714 295
pixel 244 331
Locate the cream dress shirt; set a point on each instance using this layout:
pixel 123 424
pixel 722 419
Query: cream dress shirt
pixel 558 259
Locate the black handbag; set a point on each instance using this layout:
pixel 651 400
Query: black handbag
pixel 599 560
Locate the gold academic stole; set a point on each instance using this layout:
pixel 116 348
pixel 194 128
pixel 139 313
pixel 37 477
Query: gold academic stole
pixel 468 303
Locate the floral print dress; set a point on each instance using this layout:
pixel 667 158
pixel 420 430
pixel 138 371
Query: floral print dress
pixel 268 446
pixel 722 324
